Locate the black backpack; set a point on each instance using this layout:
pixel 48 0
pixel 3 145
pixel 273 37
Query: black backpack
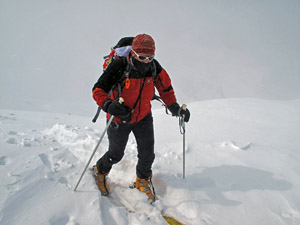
pixel 121 49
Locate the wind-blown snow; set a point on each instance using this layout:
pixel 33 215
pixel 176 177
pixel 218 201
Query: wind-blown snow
pixel 242 167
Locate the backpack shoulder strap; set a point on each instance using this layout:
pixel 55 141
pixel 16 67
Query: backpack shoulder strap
pixel 128 67
pixel 154 71
pixel 125 75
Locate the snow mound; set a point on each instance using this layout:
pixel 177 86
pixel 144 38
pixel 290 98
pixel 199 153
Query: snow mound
pixel 80 141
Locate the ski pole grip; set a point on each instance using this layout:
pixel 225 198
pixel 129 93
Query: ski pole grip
pixel 121 100
pixel 184 106
pixel 97 115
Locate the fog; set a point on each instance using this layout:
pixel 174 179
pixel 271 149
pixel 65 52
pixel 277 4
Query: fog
pixel 51 52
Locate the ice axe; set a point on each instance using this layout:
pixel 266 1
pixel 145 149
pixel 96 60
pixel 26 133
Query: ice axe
pixel 182 131
pixel 121 100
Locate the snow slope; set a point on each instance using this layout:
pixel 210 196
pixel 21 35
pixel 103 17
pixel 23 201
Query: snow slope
pixel 242 167
pixel 242 154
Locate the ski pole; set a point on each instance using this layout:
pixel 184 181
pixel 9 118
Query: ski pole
pixel 121 100
pixel 182 131
pixel 87 165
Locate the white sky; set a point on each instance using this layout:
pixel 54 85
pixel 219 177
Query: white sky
pixel 51 51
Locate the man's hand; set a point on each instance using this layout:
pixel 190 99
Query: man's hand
pixel 119 110
pixel 176 110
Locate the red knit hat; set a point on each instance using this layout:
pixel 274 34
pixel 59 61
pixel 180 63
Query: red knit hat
pixel 143 44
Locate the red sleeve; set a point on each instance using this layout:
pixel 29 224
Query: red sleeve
pixel 164 86
pixel 100 96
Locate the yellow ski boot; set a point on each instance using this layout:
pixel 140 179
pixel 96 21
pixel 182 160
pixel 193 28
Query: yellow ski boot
pixel 146 186
pixel 101 181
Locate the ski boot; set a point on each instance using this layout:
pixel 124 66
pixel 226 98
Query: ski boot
pixel 146 186
pixel 101 181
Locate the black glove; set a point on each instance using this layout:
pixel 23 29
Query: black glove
pixel 176 110
pixel 106 104
pixel 185 114
pixel 117 109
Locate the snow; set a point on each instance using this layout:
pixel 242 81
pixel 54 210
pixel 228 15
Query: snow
pixel 234 63
pixel 242 167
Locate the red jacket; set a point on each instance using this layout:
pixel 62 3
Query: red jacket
pixel 138 83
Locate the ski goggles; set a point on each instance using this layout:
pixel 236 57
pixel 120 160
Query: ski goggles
pixel 143 58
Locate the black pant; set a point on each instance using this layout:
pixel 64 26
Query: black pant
pixel 144 135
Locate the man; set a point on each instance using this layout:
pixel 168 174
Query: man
pixel 139 74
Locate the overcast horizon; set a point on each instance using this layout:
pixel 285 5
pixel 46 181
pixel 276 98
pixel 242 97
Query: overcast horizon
pixel 51 53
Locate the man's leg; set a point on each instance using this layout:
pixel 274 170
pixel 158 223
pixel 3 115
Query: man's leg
pixel 117 142
pixel 144 135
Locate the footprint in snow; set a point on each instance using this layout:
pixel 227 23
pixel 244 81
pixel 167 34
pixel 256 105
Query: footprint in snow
pixel 45 160
pixel 12 141
pixel 233 145
pixel 62 219
pixel 4 160
pixel 64 181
